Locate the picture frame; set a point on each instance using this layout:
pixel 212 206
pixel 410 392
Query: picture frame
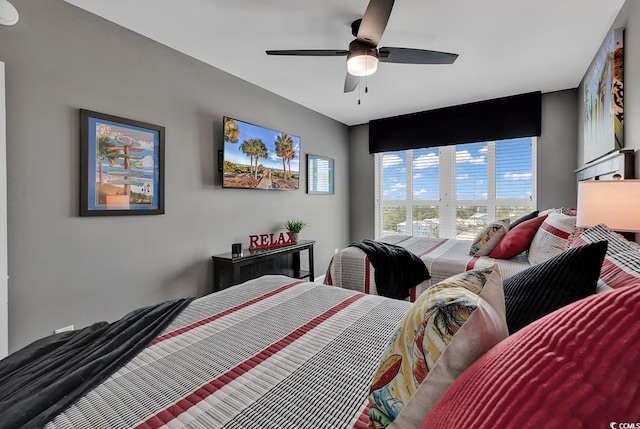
pixel 320 175
pixel 603 99
pixel 121 166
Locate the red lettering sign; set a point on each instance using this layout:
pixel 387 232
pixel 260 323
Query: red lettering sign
pixel 267 241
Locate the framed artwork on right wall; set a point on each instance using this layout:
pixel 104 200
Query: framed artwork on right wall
pixel 603 99
pixel 320 175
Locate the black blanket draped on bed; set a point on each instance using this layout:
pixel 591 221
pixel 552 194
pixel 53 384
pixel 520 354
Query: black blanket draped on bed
pixel 396 269
pixel 42 379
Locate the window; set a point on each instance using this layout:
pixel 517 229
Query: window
pixel 453 191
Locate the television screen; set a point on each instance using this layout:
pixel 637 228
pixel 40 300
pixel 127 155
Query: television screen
pixel 259 158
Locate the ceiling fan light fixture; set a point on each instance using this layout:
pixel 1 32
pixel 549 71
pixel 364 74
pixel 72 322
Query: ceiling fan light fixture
pixel 362 59
pixel 362 64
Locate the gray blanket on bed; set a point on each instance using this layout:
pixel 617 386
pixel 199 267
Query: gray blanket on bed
pixel 42 379
pixel 396 269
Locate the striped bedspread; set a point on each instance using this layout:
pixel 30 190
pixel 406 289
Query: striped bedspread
pixel 350 267
pixel 269 353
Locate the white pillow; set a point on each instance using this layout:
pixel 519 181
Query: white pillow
pixel 551 238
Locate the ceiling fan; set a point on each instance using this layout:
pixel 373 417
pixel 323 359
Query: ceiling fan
pixel 363 54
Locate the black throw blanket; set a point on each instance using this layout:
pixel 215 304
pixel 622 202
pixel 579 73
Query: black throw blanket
pixel 396 269
pixel 39 381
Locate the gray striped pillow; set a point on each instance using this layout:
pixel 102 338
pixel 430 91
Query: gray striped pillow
pixel 561 280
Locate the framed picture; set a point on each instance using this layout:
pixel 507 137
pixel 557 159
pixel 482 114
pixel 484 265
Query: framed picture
pixel 121 166
pixel 603 99
pixel 320 176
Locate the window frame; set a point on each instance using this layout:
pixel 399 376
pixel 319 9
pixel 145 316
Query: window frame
pixel 447 203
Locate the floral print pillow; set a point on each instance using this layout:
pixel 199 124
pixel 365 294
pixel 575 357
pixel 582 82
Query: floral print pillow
pixel 416 350
pixel 489 237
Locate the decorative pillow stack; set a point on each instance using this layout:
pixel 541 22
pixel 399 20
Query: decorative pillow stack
pixel 518 239
pixel 561 280
pixel 545 234
pixel 488 237
pixel 448 328
pixel 621 264
pixel 551 237
pixel 576 367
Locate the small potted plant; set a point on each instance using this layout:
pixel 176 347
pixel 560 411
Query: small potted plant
pixel 295 226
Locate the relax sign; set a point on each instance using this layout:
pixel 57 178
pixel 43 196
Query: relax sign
pixel 265 241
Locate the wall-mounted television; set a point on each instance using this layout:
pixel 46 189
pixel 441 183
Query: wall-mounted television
pixel 256 157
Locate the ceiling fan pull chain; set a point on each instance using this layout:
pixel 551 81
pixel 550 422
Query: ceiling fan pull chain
pixel 359 94
pixel 366 75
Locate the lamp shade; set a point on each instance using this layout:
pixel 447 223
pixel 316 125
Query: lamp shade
pixel 615 203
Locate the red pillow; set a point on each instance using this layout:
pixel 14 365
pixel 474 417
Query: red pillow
pixel 518 239
pixel 576 367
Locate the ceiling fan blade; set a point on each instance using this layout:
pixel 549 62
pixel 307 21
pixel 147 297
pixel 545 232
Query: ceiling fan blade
pixel 310 52
pixel 415 56
pixel 350 82
pixel 375 21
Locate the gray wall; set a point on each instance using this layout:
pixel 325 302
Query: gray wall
pixel 556 180
pixel 556 163
pixel 629 18
pixel 361 184
pixel 70 270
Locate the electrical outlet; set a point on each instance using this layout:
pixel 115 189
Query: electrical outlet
pixel 65 329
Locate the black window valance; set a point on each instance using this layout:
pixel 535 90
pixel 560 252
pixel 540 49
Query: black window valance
pixel 497 119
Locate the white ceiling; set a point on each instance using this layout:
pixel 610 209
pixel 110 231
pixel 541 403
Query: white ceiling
pixel 506 47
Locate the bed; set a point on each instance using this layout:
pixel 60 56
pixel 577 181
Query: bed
pixel 310 366
pixel 351 269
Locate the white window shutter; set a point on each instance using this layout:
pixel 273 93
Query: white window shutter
pixel 453 191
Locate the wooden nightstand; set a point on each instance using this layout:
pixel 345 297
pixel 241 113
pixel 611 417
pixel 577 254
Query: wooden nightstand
pixel 285 260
